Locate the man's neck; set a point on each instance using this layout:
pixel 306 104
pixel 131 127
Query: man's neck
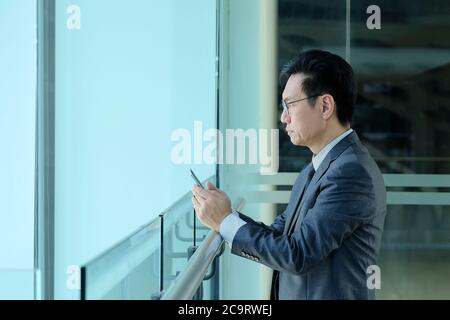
pixel 328 136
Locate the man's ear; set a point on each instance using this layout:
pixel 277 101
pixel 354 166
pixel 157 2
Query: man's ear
pixel 328 106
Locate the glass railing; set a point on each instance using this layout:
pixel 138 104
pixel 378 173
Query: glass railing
pixel 144 265
pixel 129 270
pixel 182 233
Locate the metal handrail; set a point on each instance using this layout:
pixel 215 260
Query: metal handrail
pixel 189 280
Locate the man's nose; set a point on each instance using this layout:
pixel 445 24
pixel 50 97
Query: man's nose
pixel 284 117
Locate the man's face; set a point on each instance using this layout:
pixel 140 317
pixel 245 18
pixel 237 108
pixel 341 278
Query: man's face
pixel 304 122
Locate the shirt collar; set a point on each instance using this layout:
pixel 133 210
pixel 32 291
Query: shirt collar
pixel 318 158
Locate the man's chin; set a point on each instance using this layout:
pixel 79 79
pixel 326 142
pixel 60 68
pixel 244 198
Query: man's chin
pixel 297 142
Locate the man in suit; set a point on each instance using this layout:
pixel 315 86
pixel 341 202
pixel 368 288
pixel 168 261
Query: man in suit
pixel 321 246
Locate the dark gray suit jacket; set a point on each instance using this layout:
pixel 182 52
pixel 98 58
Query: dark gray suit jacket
pixel 321 245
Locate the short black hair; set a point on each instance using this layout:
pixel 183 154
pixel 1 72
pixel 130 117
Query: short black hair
pixel 325 73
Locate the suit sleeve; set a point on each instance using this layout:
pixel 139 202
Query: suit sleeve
pixel 277 226
pixel 280 221
pixel 345 201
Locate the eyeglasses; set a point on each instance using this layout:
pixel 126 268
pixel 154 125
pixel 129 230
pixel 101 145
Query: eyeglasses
pixel 285 104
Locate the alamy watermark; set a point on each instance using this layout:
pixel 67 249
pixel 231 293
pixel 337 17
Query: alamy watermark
pixel 73 281
pixel 374 20
pixel 374 278
pixel 235 146
pixel 74 17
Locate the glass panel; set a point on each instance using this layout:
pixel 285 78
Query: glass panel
pixel 129 270
pixel 18 65
pixel 415 253
pixel 401 116
pixel 141 284
pixel 130 76
pixel 403 73
pixel 178 238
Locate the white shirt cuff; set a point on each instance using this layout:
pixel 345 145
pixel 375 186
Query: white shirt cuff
pixel 230 226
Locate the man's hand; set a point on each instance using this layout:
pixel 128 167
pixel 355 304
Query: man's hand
pixel 211 205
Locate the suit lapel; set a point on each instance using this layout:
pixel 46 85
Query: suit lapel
pixel 320 172
pixel 299 188
pixel 332 155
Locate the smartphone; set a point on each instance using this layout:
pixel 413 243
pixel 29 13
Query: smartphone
pixel 196 179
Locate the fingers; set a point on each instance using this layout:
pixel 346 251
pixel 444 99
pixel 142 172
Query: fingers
pixel 199 193
pixel 211 186
pixel 195 203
